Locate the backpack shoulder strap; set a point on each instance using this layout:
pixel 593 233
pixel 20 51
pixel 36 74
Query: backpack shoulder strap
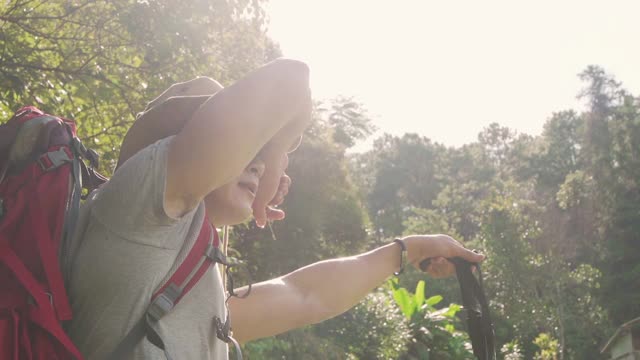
pixel 195 265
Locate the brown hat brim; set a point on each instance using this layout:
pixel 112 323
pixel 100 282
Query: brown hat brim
pixel 166 115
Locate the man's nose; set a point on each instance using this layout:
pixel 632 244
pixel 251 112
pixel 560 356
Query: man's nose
pixel 257 167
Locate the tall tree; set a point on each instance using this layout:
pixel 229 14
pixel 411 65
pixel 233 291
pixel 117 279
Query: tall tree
pixel 612 154
pixel 403 172
pixel 100 61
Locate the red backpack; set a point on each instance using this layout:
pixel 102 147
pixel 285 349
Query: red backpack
pixel 41 177
pixel 42 174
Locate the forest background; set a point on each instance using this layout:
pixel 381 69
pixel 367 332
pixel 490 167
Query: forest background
pixel 558 214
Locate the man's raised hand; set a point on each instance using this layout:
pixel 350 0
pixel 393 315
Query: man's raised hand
pixel 274 186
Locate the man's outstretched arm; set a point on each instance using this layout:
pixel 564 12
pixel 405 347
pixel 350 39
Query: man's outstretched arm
pixel 328 288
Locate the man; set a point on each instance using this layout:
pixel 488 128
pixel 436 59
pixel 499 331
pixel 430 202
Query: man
pixel 225 163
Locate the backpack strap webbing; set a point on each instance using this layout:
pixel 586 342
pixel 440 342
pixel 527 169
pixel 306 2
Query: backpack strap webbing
pixel 190 271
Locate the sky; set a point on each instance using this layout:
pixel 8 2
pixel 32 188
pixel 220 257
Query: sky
pixel 447 69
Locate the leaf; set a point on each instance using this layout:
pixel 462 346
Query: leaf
pixel 393 283
pixel 450 328
pixel 419 296
pixel 432 301
pixel 453 310
pixel 405 302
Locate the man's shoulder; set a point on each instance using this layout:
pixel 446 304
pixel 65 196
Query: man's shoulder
pixel 141 158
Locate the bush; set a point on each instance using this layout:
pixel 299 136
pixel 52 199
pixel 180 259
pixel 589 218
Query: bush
pixel 373 329
pixel 434 332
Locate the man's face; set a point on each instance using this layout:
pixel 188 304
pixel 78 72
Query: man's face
pixel 232 203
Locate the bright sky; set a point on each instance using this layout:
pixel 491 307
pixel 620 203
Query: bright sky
pixel 447 69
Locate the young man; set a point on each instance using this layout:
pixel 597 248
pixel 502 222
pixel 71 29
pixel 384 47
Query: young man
pixel 226 162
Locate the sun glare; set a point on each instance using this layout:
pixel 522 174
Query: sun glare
pixel 447 69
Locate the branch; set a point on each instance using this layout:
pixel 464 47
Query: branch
pixel 107 130
pixel 70 12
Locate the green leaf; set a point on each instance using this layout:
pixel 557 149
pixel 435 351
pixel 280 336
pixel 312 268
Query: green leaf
pixel 402 299
pixel 432 301
pixel 450 328
pixel 453 310
pixel 393 283
pixel 405 301
pixel 419 296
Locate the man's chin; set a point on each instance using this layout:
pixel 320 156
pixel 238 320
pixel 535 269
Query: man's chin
pixel 231 217
pixel 240 217
pixel 240 220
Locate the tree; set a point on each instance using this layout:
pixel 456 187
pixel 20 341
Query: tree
pixel 401 173
pixel 100 61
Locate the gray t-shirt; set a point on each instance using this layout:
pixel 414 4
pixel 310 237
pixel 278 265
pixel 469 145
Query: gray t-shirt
pixel 125 248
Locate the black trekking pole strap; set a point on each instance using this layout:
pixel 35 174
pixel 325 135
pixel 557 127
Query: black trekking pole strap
pixel 479 323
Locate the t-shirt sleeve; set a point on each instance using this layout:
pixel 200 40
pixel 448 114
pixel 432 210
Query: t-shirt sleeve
pixel 131 203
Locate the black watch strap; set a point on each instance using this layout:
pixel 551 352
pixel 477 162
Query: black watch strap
pixel 403 256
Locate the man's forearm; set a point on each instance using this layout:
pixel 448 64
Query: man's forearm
pixel 310 294
pixel 231 127
pixel 327 288
pixel 331 287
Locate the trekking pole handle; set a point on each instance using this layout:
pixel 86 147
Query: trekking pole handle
pixel 424 264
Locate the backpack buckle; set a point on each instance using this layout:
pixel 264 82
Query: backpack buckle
pixel 217 256
pixel 164 302
pixel 88 154
pixel 53 159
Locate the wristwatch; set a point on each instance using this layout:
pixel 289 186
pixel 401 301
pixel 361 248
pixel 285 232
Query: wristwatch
pixel 403 256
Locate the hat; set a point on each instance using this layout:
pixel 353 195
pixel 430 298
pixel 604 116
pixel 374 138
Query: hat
pixel 166 115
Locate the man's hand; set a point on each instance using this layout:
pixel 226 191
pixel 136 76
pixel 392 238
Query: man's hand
pixel 438 248
pixel 272 211
pixel 274 186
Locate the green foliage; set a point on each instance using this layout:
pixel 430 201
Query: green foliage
pixel 511 351
pixel 548 347
pixel 574 190
pixel 348 120
pixel 559 151
pixel 373 329
pixel 400 173
pixel 299 344
pixel 434 332
pixel 100 62
pixel 271 347
pixel 409 303
pixel 557 215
